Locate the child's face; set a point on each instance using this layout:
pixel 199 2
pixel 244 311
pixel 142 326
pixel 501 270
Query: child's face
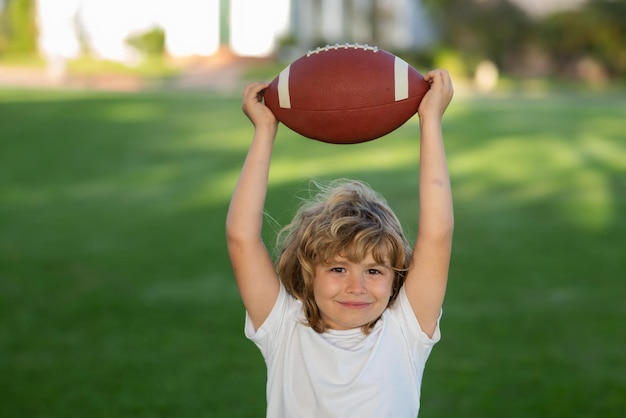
pixel 350 295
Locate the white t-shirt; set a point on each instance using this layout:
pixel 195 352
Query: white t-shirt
pixel 342 373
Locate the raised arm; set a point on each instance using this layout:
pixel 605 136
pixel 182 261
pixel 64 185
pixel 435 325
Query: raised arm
pixel 426 280
pixel 252 264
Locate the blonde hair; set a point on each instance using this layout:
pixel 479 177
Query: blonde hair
pixel 347 218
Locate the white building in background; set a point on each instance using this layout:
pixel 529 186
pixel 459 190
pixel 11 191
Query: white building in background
pixel 395 24
pixel 257 25
pixel 192 27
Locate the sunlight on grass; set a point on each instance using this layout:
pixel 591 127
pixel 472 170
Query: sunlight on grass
pixel 328 160
pixel 340 163
pixel 212 191
pixel 604 152
pixel 589 203
pixel 523 169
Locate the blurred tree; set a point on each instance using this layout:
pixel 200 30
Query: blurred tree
pixel 82 37
pixel 150 43
pixel 316 22
pixel 18 30
pixel 224 6
pixel 375 11
pixel 596 32
pixel 348 19
pixel 380 12
pixel 556 44
pixel 481 29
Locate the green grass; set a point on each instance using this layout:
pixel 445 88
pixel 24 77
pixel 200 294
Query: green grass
pixel 117 299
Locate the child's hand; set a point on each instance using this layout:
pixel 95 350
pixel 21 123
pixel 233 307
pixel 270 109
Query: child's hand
pixel 254 108
pixel 437 99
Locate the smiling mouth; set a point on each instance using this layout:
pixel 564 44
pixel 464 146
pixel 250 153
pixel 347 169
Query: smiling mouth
pixel 354 305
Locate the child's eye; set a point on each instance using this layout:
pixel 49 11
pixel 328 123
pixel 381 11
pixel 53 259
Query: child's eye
pixel 338 269
pixel 373 271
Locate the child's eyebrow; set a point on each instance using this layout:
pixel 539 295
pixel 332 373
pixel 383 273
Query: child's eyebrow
pixel 379 266
pixel 332 261
pixel 384 264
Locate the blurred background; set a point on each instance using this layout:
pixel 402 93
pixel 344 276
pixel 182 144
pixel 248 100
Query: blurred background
pixel 121 139
pixel 479 40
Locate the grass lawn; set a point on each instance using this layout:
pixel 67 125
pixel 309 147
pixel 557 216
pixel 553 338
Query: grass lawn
pixel 117 299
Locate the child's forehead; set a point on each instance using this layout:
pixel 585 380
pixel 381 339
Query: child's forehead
pixel 369 256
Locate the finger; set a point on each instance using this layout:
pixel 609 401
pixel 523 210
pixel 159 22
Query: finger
pixel 431 73
pixel 440 79
pixel 446 82
pixel 445 77
pixel 259 87
pixel 433 76
pixel 261 94
pixel 252 90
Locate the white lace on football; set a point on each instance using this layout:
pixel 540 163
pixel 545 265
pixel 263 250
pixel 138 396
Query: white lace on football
pixel 364 47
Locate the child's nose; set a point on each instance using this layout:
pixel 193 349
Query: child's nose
pixel 356 284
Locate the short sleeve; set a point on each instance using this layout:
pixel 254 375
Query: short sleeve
pixel 414 334
pixel 265 335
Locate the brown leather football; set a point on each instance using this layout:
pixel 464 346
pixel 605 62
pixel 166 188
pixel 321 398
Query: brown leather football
pixel 346 94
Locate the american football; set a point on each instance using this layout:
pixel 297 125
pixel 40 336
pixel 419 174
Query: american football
pixel 346 94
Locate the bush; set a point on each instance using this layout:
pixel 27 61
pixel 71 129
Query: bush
pixel 150 43
pixel 595 32
pixel 554 45
pixel 489 29
pixel 18 31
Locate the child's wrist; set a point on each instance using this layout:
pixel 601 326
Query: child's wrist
pixel 266 127
pixel 430 118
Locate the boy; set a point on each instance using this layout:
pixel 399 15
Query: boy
pixel 348 316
